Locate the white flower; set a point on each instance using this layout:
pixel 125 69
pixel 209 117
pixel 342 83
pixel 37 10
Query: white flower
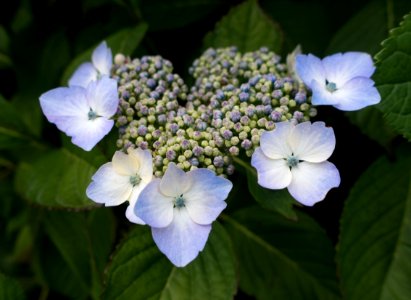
pixel 294 156
pixel 102 60
pixel 82 113
pixel 180 209
pixel 342 80
pixel 122 180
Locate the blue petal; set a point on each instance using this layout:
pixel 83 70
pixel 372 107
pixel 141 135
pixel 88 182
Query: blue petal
pixel 182 240
pixel 86 134
pixel 102 96
pixel 102 59
pixel 205 198
pixel 309 68
pixel 174 182
pixel 321 96
pixel 274 143
pixel 83 75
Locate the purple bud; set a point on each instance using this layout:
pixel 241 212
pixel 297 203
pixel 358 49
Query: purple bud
pixel 197 151
pixel 230 170
pixel 245 87
pixel 144 145
pixel 218 161
pixel 155 95
pixel 300 97
pixel 174 127
pixel 253 81
pixel 235 116
pixel 275 116
pixel 193 161
pixel 270 77
pixel 151 83
pixel 227 134
pixel 234 150
pixel 243 96
pixel 162 119
pixel 185 144
pixel 279 84
pixel 142 130
pixel 246 144
pixel 201 126
pixel 277 94
pixel 170 155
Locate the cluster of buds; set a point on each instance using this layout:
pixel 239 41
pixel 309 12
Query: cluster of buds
pixel 235 98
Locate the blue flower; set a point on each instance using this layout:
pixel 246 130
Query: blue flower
pixel 82 113
pixel 295 156
pixel 342 80
pixel 180 208
pixel 102 61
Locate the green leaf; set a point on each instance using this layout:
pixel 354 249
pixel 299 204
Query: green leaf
pixel 140 271
pixel 124 41
pixel 10 289
pixel 393 78
pixel 57 179
pixel 84 240
pixel 247 27
pixel 280 258
pixel 275 200
pixel 375 242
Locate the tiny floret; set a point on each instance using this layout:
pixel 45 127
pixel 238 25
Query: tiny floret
pixel 122 180
pixel 180 208
pixel 295 156
pixel 342 80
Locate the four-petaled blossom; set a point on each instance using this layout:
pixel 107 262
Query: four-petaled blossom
pixel 342 80
pixel 102 61
pixel 295 156
pixel 180 208
pixel 122 180
pixel 82 113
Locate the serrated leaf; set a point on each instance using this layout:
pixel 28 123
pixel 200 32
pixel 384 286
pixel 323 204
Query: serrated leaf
pixel 10 289
pixel 124 41
pixel 247 27
pixel 140 271
pixel 393 78
pixel 57 179
pixel 293 259
pixel 84 241
pixel 375 242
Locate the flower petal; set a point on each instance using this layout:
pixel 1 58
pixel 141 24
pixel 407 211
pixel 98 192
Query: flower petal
pixel 102 96
pixel 102 59
pixel 274 143
pixel 83 75
pixel 174 182
pixel 309 68
pixel 153 207
pixel 272 173
pixel 321 96
pixel 109 187
pixel 86 134
pixel 145 161
pixel 124 164
pixel 182 240
pixel 312 181
pixel 356 94
pixel 130 213
pixel 312 142
pixel 205 198
pixel 342 67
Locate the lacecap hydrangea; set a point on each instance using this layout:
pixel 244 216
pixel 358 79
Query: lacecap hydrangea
pixel 176 145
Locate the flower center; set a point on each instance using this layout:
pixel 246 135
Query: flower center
pixel 292 161
pixel 179 201
pixel 330 86
pixel 92 115
pixel 134 180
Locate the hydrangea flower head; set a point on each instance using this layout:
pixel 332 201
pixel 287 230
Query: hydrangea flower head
pixel 122 180
pixel 180 208
pixel 342 80
pixel 102 61
pixel 82 113
pixel 295 156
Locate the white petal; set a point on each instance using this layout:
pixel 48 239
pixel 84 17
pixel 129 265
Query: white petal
pixel 102 59
pixel 356 94
pixel 108 187
pixel 309 68
pixel 124 164
pixel 145 161
pixel 86 134
pixel 321 96
pixel 272 173
pixel 182 240
pixel 83 75
pixel 174 182
pixel 274 143
pixel 312 142
pixel 130 213
pixel 102 96
pixel 312 181
pixel 342 67
pixel 205 198
pixel 153 207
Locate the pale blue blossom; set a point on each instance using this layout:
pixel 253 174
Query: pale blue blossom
pixel 342 80
pixel 100 65
pixel 122 180
pixel 180 208
pixel 295 157
pixel 82 113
